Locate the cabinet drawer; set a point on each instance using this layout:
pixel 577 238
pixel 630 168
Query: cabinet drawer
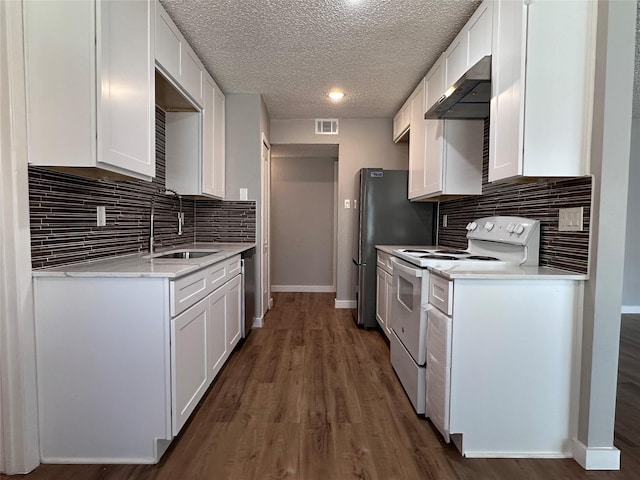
pixel 216 275
pixel 384 261
pixel 220 273
pixel 233 266
pixel 188 290
pixel 441 293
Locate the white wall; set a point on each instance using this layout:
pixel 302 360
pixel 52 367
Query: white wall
pixel 614 54
pixel 631 285
pixel 19 452
pixel 246 118
pixel 362 143
pixel 302 213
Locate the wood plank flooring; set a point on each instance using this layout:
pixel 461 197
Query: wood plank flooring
pixel 310 396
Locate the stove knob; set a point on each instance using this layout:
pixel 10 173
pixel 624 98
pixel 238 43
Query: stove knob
pixel 519 229
pixel 488 226
pixel 472 226
pixel 511 227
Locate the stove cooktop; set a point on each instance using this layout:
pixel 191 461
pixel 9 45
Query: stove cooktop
pixel 431 257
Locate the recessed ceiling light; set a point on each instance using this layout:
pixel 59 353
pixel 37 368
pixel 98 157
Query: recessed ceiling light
pixel 336 95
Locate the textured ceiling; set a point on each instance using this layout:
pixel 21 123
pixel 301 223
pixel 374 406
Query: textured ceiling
pixel 294 51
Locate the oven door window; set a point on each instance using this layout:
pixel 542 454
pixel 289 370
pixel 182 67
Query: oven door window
pixel 405 293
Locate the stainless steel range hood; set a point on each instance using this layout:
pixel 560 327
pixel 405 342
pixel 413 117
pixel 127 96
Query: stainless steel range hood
pixel 468 98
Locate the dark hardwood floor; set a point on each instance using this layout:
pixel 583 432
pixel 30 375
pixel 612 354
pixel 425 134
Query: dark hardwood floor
pixel 310 396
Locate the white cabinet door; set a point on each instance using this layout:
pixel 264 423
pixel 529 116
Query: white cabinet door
pixel 213 161
pixel 507 89
pixel 168 43
pixel 191 73
pixel 216 333
pixel 93 62
pixel 416 143
pixel 219 152
pixel 176 58
pixel 388 278
pixel 208 135
pixel 434 84
pixel 438 371
pixel 434 132
pixel 126 107
pixel 401 121
pixel 533 49
pixel 188 362
pixel 455 59
pixel 233 300
pixel 381 299
pixel 480 33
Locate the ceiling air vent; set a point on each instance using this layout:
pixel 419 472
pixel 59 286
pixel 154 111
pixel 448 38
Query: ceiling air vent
pixel 326 126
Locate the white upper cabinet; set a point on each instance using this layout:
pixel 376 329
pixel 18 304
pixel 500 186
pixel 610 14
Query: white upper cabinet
pixel 213 160
pixel 468 48
pixel 195 128
pixel 177 59
pixel 416 143
pixel 90 87
pixel 542 86
pixel 453 149
pixel 479 33
pixel 401 121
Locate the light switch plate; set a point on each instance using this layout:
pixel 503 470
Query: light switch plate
pixel 347 203
pixel 101 216
pixel 244 194
pixel 570 219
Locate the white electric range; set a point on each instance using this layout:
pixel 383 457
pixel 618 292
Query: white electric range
pixel 493 242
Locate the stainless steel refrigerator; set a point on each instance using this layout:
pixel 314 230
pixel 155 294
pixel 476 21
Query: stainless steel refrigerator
pixel 384 217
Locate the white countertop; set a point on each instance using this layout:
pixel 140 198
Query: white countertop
pixel 506 273
pixel 136 265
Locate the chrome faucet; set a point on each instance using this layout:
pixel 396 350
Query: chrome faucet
pixel 152 216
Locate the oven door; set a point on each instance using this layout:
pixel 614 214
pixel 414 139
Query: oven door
pixel 408 309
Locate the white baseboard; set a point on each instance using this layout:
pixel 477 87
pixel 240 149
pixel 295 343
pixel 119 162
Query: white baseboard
pixel 303 288
pixel 345 303
pixel 630 309
pixel 602 458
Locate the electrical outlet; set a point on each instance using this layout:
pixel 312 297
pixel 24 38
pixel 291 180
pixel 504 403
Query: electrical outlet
pixel 570 219
pixel 347 203
pixel 101 216
pixel 445 220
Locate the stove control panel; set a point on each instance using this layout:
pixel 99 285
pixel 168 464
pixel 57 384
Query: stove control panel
pixel 503 229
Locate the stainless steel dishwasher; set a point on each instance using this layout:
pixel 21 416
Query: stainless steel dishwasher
pixel 248 290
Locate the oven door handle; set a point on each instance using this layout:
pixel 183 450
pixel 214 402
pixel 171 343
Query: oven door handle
pixel 411 271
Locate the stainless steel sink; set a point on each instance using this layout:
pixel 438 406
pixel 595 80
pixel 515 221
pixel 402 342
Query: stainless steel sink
pixel 182 254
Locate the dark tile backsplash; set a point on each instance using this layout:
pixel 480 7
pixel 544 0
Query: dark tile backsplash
pixel 63 215
pixel 541 201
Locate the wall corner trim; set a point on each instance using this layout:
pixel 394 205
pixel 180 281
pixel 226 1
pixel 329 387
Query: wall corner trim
pixel 345 303
pixel 596 458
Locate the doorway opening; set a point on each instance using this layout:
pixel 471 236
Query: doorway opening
pixel 303 208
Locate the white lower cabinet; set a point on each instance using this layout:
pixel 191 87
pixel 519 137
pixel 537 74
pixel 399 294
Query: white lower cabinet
pixel 381 298
pixel 202 338
pixel 123 362
pixel 384 292
pixel 189 338
pixel 216 332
